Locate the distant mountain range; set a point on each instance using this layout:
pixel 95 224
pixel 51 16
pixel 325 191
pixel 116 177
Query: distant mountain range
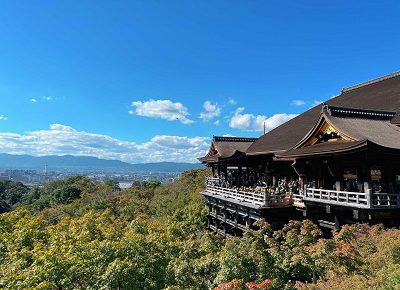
pixel 69 162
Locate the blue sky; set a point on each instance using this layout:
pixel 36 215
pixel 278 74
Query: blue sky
pixel 147 81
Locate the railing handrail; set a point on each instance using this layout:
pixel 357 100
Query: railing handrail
pixel 261 198
pixel 336 191
pixel 351 198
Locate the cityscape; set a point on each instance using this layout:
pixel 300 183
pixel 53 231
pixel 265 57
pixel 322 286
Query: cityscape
pixel 31 177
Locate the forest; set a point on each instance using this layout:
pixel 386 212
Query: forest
pixel 81 234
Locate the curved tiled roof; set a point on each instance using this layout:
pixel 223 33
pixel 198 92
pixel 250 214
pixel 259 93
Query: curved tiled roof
pixel 380 132
pixel 381 94
pixel 227 147
pixel 327 148
pixel 359 128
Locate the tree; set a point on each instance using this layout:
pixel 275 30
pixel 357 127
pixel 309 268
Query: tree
pixel 113 184
pixel 11 193
pixel 246 258
pixel 66 194
pixel 152 184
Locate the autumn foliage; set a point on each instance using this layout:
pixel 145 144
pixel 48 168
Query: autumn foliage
pixel 154 238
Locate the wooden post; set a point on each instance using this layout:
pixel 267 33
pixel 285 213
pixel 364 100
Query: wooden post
pixel 208 215
pixel 224 212
pixel 369 198
pixel 274 180
pixel 367 186
pixel 338 185
pixel 240 183
pixel 236 219
pixel 224 219
pixel 266 197
pixel 247 219
pixel 337 223
pixel 247 176
pixel 301 181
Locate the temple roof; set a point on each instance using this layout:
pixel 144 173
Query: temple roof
pixel 380 132
pixel 327 148
pixel 353 129
pixel 382 94
pixel 226 147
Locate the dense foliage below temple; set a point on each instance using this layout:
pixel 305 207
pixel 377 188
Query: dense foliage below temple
pixel 80 234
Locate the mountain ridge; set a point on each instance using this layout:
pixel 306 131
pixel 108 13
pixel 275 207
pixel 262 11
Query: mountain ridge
pixel 70 162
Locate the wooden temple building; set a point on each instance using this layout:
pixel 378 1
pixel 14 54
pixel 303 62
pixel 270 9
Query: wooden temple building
pixel 337 163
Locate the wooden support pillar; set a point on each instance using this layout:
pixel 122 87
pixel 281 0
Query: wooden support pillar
pixel 367 186
pixel 213 169
pixel 247 219
pixel 369 198
pixel 366 177
pixel 338 185
pixel 337 223
pixel 240 183
pixel 274 180
pixel 266 198
pixel 247 176
pixel 236 219
pixel 361 175
pixel 208 214
pixel 338 176
pixel 226 171
pixel 320 179
pixel 302 181
pixel 224 213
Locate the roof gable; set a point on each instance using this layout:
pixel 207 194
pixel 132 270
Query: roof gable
pixel 226 147
pixel 323 131
pixel 382 94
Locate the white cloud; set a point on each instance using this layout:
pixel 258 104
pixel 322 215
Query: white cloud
pixel 59 127
pixel 3 118
pixel 217 123
pixel 298 103
pixel 33 100
pixel 47 98
pixel 211 111
pixel 231 102
pixel 163 109
pixel 250 122
pixel 61 140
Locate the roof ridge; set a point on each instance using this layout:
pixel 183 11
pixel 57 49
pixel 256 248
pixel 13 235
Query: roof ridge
pixel 232 138
pixel 337 111
pixel 363 84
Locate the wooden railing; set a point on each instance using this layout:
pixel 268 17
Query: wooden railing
pixel 352 199
pixel 298 199
pixel 385 200
pixel 243 196
pixel 260 198
pixel 356 199
pixel 263 198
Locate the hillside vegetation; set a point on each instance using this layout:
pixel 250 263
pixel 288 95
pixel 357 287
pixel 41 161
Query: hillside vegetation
pixel 80 234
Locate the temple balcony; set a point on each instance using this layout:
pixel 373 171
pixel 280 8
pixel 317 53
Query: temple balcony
pixel 367 200
pixel 255 197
